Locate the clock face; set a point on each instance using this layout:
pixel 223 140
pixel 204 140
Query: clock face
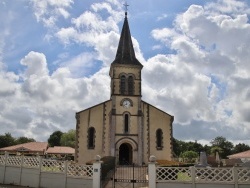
pixel 126 104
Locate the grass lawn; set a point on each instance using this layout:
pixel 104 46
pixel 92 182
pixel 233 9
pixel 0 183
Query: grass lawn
pixel 183 176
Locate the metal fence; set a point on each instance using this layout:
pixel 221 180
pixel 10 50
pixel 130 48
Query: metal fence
pixel 130 176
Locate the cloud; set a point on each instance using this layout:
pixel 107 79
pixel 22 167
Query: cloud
pixel 36 64
pixel 46 102
pixel 203 81
pixel 162 17
pixel 212 47
pixel 49 11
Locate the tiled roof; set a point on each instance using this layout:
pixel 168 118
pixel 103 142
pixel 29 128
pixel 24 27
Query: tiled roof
pixel 244 154
pixel 31 146
pixel 60 150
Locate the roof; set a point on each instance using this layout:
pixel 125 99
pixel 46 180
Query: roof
pixel 60 150
pixel 30 146
pixel 231 162
pixel 158 109
pixel 125 53
pixel 244 154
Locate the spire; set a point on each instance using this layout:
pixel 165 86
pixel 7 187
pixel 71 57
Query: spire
pixel 125 53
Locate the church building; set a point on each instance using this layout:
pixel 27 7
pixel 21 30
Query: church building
pixel 124 126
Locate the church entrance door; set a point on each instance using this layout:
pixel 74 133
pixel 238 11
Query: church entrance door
pixel 125 154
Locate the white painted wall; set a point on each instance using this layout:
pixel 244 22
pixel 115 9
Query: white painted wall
pixel 34 177
pixel 30 177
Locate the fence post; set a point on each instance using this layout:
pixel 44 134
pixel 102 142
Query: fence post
pixel 235 176
pixel 65 172
pixel 6 155
pixel 152 172
pixel 21 169
pixel 193 176
pixel 97 172
pixel 40 170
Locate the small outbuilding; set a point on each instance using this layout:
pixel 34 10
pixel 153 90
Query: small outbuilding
pixel 60 152
pixel 244 156
pixel 31 148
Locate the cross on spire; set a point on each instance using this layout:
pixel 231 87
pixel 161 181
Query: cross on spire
pixel 126 7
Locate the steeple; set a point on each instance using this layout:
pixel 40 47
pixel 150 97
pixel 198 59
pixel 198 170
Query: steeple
pixel 125 53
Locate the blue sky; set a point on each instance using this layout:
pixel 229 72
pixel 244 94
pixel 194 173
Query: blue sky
pixel 55 58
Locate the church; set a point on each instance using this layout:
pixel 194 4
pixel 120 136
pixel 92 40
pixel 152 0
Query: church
pixel 125 126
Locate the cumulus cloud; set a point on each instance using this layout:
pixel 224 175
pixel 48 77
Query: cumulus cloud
pixel 45 102
pixel 211 53
pixel 203 82
pixel 49 11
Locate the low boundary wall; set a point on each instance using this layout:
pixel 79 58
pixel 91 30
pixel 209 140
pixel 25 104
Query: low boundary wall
pixel 38 172
pixel 202 177
pixel 197 177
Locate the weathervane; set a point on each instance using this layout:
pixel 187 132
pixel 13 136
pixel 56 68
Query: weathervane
pixel 126 7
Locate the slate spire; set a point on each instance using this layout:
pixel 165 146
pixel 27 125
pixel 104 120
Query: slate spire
pixel 125 53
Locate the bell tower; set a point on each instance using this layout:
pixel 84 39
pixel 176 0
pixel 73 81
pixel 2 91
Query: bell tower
pixel 125 70
pixel 126 114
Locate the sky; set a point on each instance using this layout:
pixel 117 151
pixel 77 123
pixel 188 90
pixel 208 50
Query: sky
pixel 55 57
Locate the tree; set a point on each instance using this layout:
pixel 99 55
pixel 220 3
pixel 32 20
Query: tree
pixel 181 146
pixel 178 147
pixel 54 139
pixel 189 155
pixel 240 148
pixel 194 146
pixel 6 140
pixel 225 145
pixel 207 149
pixel 215 149
pixel 22 140
pixel 68 139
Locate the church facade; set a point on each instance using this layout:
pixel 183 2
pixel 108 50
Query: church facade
pixel 124 126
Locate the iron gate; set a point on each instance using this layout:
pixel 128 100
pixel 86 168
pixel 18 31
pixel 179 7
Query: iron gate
pixel 130 176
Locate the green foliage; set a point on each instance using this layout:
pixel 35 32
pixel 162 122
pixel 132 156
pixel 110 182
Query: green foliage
pixel 68 139
pixel 6 140
pixel 215 149
pixel 220 144
pixel 181 146
pixel 207 149
pixel 22 140
pixel 54 139
pixel 225 145
pixel 190 155
pixel 240 148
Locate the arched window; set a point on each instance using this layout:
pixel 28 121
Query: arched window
pixel 159 139
pixel 126 123
pixel 91 138
pixel 130 85
pixel 123 84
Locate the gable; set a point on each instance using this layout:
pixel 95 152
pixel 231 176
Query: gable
pixel 93 107
pixel 158 110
